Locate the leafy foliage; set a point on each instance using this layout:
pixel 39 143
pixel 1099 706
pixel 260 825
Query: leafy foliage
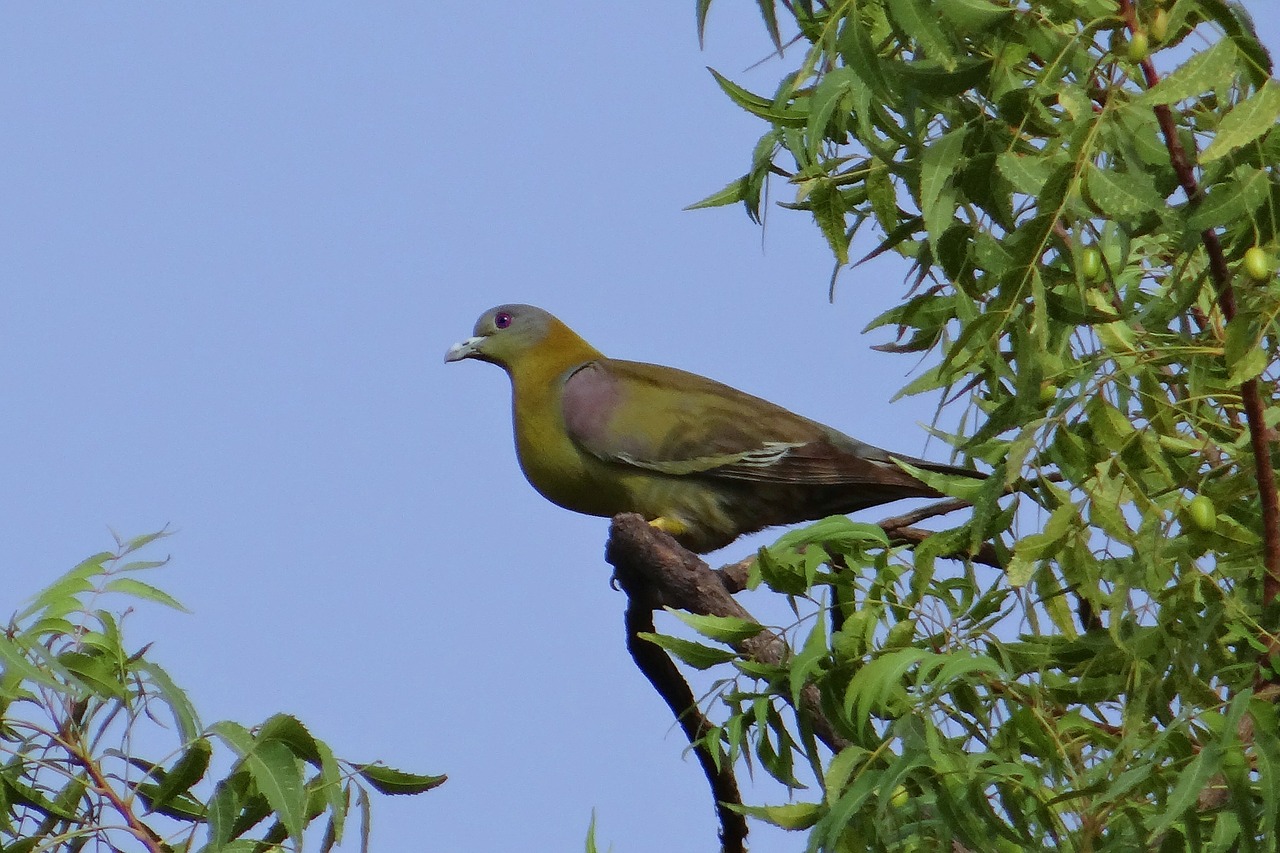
pixel 77 704
pixel 1089 192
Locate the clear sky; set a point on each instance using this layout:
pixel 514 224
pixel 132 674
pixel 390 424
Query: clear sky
pixel 236 240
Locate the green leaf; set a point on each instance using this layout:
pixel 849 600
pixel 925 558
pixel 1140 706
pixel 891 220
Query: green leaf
pixel 140 566
pixel 98 671
pixel 871 687
pixel 224 806
pixel 838 531
pixel 388 780
pixel 882 195
pixel 145 591
pixel 855 46
pixel 1207 71
pixel 182 807
pixel 806 665
pixel 1122 195
pixel 179 704
pixel 188 770
pixel 951 485
pixel 829 96
pixel 758 106
pixel 1235 199
pixel 972 16
pixel 1267 749
pixel 61 597
pixel 841 768
pixel 770 17
pixel 694 654
pixel 829 208
pixel 786 816
pixel 143 541
pixel 331 780
pixel 18 793
pixel 946 669
pixel 1244 353
pixel 278 774
pixel 1196 775
pixel 734 192
pixel 941 160
pixel 234 735
pixel 722 629
pixel 918 20
pixel 703 7
pixel 591 834
pixel 14 665
pixel 366 818
pixel 289 730
pixel 1246 122
pixel 1026 172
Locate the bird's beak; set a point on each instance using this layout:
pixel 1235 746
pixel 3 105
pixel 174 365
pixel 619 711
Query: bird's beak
pixel 464 349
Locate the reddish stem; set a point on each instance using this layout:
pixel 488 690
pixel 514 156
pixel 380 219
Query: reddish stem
pixel 1250 396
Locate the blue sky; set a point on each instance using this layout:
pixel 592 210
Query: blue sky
pixel 238 239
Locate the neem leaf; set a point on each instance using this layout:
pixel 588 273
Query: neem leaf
pixel 722 629
pixel 1247 120
pixel 388 780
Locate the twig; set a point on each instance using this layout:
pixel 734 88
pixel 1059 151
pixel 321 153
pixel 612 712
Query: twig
pixel 912 536
pixel 671 686
pixel 654 565
pixel 907 519
pixel 1250 396
pixel 101 786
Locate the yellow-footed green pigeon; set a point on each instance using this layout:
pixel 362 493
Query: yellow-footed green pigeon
pixel 700 460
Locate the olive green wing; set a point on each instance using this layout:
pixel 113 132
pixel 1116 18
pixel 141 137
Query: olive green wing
pixel 680 424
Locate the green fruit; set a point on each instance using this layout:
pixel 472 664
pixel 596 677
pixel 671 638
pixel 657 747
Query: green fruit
pixel 1202 514
pixel 1258 264
pixel 1091 264
pixel 899 797
pixel 900 634
pixel 1160 25
pixel 1139 47
pixel 1048 392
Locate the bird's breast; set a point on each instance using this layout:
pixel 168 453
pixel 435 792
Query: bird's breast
pixel 555 466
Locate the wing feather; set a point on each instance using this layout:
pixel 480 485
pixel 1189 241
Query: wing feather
pixel 677 423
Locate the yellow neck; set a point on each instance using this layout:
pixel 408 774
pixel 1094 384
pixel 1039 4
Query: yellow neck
pixel 549 459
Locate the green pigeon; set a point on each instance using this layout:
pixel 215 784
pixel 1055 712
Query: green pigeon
pixel 698 459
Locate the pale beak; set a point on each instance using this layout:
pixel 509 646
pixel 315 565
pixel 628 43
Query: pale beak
pixel 463 349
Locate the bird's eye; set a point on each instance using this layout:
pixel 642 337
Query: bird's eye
pixel 502 319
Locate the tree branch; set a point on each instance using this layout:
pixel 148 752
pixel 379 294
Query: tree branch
pixel 652 567
pixel 102 787
pixel 1250 396
pixel 662 673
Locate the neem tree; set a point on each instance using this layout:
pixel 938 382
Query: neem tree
pixel 1089 191
pixel 101 750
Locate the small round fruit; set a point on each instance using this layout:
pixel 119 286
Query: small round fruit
pixel 1048 392
pixel 1202 513
pixel 899 797
pixel 1139 47
pixel 900 634
pixel 1258 264
pixel 1160 25
pixel 1091 264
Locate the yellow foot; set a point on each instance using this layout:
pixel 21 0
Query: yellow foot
pixel 672 526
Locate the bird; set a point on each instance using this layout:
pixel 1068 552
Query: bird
pixel 698 459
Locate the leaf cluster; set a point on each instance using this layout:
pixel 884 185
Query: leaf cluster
pixel 79 709
pixel 1093 218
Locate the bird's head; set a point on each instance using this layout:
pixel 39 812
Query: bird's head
pixel 509 333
